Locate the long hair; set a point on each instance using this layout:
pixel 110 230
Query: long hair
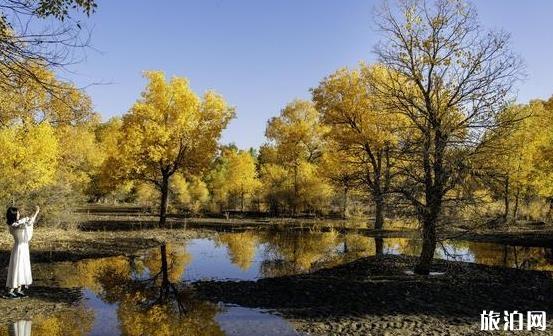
pixel 11 215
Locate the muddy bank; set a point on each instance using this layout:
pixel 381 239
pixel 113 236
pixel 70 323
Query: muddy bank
pixel 135 223
pixel 134 218
pixel 51 245
pixel 374 296
pixel 42 301
pixel 543 237
pixel 131 218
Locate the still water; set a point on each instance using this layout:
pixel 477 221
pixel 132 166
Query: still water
pixel 140 295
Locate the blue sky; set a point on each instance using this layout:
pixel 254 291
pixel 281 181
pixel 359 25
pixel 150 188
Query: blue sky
pixel 262 54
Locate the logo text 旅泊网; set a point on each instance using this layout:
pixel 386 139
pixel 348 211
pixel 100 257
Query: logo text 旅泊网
pixel 512 321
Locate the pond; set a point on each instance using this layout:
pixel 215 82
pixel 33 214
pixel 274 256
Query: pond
pixel 252 255
pixel 146 294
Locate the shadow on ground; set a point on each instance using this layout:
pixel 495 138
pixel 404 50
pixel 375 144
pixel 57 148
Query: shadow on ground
pixel 379 286
pixel 78 250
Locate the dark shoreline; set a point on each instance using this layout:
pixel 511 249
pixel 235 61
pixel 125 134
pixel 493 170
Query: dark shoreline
pixel 373 295
pixel 133 218
pixel 524 238
pixel 519 238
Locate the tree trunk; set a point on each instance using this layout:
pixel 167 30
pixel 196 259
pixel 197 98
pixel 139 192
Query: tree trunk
pixel 346 249
pixel 164 267
pixel 275 211
pixel 379 246
pixel 345 204
pixel 549 214
pixel 430 212
pixel 428 246
pixel 378 212
pixel 506 200
pixel 515 210
pixel 296 191
pixel 242 202
pixel 164 289
pixel 163 203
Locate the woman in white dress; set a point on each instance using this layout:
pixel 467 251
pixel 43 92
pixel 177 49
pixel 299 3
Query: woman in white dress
pixel 19 270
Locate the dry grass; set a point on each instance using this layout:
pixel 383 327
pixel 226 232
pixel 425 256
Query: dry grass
pixel 46 236
pixel 535 210
pixel 50 245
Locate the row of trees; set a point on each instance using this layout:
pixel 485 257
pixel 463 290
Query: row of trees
pixel 318 155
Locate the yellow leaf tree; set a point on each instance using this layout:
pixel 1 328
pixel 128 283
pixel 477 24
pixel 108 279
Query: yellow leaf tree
pixel 233 178
pixel 450 78
pixel 80 155
pixel 47 126
pixel 191 193
pixel 241 175
pixel 169 130
pixel 217 183
pixel 45 99
pixel 276 184
pixel 297 136
pixel 519 164
pixel 335 166
pixel 107 180
pixel 28 158
pixel 363 132
pixel 544 162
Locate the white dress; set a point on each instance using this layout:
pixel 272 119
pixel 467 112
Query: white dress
pixel 19 270
pixel 21 328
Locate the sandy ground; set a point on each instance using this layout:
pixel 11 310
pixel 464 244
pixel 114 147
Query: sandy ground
pixel 374 296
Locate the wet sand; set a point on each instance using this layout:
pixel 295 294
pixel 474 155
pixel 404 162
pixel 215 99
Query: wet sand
pixel 374 296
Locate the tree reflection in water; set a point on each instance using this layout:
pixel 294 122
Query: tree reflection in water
pixel 296 252
pixel 292 252
pixel 241 247
pixel 75 322
pixel 154 304
pixel 146 290
pixel 536 258
pixel 361 245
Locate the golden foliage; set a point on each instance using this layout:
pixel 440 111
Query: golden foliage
pixel 233 180
pixel 290 159
pixel 241 247
pixel 75 322
pixel 177 260
pixel 28 157
pixel 170 127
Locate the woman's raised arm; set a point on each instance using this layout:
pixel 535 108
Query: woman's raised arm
pixel 33 217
